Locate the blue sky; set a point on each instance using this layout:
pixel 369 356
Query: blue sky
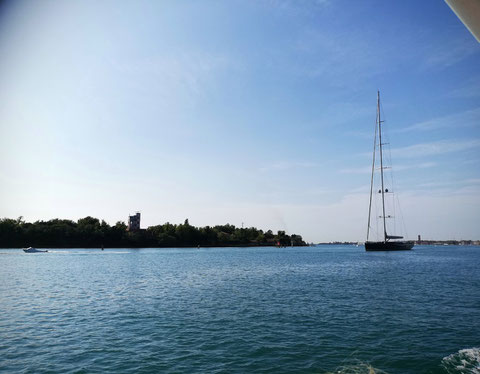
pixel 259 112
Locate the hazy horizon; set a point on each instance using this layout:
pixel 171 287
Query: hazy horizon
pixel 259 112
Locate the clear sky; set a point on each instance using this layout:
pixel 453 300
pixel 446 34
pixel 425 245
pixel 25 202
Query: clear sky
pixel 236 111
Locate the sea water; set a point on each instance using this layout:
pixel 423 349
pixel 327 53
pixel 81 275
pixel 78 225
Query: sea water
pixel 241 310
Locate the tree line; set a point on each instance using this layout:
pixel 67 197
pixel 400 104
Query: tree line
pixel 90 232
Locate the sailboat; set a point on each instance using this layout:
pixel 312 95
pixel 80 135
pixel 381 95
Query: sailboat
pixel 387 241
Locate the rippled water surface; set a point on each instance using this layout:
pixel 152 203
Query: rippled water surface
pixel 240 310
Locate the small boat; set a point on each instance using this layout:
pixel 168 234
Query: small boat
pixel 33 250
pixel 385 241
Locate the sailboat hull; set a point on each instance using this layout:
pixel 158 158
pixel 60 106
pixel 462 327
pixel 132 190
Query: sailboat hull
pixel 389 246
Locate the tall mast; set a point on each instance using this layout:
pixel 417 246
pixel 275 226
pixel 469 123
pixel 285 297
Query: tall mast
pixel 381 166
pixel 371 180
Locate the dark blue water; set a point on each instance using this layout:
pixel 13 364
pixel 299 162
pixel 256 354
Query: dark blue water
pixel 241 310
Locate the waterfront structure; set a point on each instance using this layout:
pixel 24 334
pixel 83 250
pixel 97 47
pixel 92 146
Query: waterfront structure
pixel 134 222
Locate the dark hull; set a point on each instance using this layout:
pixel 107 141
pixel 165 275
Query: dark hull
pixel 388 246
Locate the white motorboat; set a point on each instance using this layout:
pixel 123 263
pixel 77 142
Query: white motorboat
pixel 33 250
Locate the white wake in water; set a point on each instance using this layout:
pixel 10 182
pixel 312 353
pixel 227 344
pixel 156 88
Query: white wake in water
pixel 464 361
pixel 359 368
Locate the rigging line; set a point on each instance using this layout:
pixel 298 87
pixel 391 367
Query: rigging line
pixel 377 211
pixel 381 166
pixel 396 200
pixel 371 180
pixel 401 219
pixel 392 181
pixel 383 113
pixel 386 135
pixel 374 210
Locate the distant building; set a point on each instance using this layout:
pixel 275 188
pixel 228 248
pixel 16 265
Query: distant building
pixel 134 222
pixel 419 240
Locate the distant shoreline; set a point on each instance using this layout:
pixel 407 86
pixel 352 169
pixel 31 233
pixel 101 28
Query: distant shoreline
pixel 422 242
pixel 90 232
pixel 157 247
